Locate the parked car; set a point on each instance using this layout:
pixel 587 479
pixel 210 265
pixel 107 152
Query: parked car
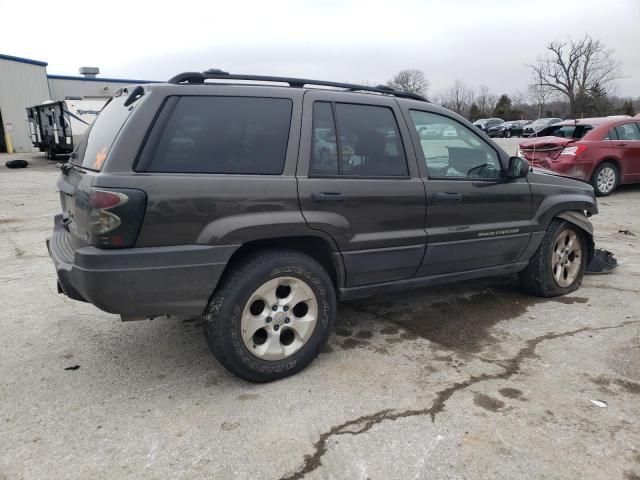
pixel 516 129
pixel 485 123
pixel 507 129
pixel 200 198
pixel 479 122
pixel 495 129
pixel 602 151
pixel 430 131
pixel 449 131
pixel 534 127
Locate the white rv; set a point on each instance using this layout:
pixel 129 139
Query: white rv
pixel 57 127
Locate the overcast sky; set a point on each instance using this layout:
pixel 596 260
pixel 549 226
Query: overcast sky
pixel 480 42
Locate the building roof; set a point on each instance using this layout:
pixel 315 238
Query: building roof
pixel 99 79
pixel 23 60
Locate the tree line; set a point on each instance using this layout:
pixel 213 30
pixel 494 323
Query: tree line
pixel 571 79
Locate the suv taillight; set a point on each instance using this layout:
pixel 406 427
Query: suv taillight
pixel 574 150
pixel 115 217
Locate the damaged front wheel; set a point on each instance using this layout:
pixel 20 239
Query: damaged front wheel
pixel 558 265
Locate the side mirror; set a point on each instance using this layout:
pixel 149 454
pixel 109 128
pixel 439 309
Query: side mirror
pixel 518 168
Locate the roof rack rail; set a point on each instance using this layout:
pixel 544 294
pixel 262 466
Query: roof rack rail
pixel 197 78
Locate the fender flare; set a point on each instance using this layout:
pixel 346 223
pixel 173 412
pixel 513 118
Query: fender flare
pixel 580 220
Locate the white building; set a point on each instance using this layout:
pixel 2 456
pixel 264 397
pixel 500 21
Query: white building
pixel 25 83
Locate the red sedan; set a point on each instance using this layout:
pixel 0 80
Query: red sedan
pixel 602 151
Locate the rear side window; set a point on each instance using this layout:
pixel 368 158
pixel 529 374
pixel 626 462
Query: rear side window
pixel 627 131
pixel 96 143
pixel 324 144
pixel 231 135
pixel 367 143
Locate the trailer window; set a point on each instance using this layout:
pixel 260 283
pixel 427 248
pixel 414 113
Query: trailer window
pixel 96 143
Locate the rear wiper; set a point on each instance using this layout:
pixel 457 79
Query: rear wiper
pixel 65 167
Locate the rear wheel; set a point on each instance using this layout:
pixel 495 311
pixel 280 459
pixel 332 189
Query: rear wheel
pixel 558 265
pixel 605 179
pixel 271 316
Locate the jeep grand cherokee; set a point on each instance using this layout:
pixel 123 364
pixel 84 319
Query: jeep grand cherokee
pixel 259 206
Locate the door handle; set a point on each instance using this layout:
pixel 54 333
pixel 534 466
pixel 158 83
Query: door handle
pixel 621 144
pixel 327 197
pixel 447 197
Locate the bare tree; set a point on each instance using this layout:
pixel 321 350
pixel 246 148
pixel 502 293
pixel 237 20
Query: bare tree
pixel 540 93
pixel 577 69
pixel 522 107
pixel 410 81
pixel 458 98
pixel 485 100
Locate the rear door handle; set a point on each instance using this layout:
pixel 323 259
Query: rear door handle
pixel 621 144
pixel 327 197
pixel 447 197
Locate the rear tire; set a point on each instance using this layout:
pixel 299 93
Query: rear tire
pixel 271 315
pixel 558 265
pixel 605 179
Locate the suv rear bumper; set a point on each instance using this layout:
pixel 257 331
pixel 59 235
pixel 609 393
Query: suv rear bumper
pixel 138 282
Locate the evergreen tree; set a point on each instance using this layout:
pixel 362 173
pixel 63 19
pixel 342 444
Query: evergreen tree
pixel 474 112
pixel 627 108
pixel 503 107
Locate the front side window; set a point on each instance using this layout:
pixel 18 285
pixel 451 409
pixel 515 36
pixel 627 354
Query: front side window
pixel 367 143
pixel 230 135
pixel 457 152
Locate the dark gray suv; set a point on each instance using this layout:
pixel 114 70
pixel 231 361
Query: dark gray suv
pixel 260 206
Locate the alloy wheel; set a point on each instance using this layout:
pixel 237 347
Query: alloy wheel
pixel 566 257
pixel 279 318
pixel 606 179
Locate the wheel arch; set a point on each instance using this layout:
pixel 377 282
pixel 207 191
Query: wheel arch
pixel 321 249
pixel 580 220
pixel 616 163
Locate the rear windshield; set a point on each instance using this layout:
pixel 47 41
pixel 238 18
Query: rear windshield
pixel 565 131
pixel 96 143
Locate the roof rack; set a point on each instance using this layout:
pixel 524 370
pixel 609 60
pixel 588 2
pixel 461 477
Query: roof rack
pixel 198 78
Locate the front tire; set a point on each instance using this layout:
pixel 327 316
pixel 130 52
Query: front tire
pixel 605 179
pixel 558 265
pixel 271 315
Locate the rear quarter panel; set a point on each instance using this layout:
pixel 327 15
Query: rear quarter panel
pixel 208 209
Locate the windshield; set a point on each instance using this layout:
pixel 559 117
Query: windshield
pixel 565 131
pixel 96 142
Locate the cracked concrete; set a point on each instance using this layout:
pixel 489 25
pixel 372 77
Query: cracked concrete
pixel 511 367
pixel 473 380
